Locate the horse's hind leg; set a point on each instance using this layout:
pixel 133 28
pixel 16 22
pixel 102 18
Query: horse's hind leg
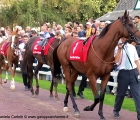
pixel 53 83
pixel 70 79
pixel 38 67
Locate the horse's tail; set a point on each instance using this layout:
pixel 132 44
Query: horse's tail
pixel 57 65
pixel 24 63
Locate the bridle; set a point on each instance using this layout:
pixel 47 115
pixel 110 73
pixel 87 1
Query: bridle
pixel 13 45
pixel 131 34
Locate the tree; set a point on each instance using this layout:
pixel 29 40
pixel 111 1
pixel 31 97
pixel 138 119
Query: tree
pixel 36 12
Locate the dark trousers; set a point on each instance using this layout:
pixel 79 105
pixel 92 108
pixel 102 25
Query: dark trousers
pixel 111 80
pixel 25 77
pixel 26 81
pixel 125 78
pixel 82 85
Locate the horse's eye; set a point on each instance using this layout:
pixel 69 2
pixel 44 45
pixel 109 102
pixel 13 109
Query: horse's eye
pixel 130 25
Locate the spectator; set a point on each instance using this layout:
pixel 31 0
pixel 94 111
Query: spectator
pixel 102 25
pixel 81 32
pixel 137 21
pixel 7 33
pixel 33 32
pixel 93 30
pixel 75 24
pixel 22 48
pixel 88 30
pixel 97 24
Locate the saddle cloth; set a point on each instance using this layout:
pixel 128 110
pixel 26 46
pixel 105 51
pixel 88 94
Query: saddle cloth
pixel 79 51
pixel 37 48
pixel 4 48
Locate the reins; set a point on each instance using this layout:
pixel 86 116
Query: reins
pixel 59 43
pixel 99 57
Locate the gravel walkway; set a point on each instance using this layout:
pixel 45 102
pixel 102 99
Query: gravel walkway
pixel 20 105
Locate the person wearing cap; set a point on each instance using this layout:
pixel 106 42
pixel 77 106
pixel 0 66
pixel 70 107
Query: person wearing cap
pixel 88 29
pixel 107 22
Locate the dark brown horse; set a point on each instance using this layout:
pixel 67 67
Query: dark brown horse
pixel 99 61
pixel 12 56
pixel 29 58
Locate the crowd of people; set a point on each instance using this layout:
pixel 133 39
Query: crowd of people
pixel 83 31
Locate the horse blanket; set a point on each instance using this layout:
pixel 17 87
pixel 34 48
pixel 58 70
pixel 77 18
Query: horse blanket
pixel 37 48
pixel 4 48
pixel 79 51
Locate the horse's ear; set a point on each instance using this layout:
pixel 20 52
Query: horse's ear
pixel 125 14
pixel 16 31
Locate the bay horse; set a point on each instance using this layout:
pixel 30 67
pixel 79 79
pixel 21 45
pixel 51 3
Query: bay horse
pixel 29 58
pixel 10 54
pixel 99 63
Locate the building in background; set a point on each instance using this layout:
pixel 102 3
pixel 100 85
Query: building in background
pixel 133 6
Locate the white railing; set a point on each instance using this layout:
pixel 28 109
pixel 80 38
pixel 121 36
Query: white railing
pixel 78 78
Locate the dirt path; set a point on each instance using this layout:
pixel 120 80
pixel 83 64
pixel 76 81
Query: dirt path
pixel 19 105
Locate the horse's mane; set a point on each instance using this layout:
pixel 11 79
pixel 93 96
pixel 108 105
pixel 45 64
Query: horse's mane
pixel 103 32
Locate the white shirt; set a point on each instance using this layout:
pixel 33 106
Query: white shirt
pixel 21 46
pixel 132 55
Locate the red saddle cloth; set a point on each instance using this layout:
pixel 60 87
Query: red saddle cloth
pixel 79 51
pixel 4 48
pixel 37 48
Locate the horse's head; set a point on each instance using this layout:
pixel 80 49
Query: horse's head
pixel 14 39
pixel 129 30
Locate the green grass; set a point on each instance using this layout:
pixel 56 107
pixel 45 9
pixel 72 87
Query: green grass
pixel 128 103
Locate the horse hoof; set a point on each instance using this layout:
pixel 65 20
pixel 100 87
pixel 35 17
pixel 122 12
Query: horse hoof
pixel 57 99
pixel 77 114
pixel 12 88
pixel 34 96
pixel 87 108
pixel 51 96
pixel 102 118
pixel 5 81
pixel 65 109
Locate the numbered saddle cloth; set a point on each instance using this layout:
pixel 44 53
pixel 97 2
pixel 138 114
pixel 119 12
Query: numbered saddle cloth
pixel 79 51
pixel 37 48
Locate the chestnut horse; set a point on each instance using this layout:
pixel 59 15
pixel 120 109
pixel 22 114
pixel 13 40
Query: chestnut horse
pixel 11 57
pixel 99 63
pixel 29 58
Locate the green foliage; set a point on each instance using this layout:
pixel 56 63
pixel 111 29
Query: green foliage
pixel 36 12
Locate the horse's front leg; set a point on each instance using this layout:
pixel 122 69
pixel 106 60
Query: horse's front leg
pixel 6 77
pixel 12 74
pixel 93 84
pixel 102 94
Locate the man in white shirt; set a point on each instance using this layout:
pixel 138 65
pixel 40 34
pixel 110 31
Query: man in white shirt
pixel 128 75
